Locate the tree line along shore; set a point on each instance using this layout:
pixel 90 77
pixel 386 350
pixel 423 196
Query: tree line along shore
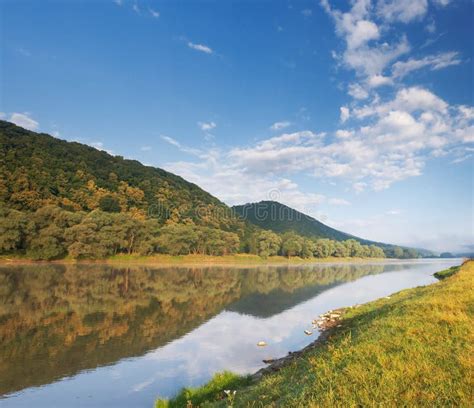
pixel 52 233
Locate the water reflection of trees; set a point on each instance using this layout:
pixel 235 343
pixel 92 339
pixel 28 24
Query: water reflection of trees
pixel 58 319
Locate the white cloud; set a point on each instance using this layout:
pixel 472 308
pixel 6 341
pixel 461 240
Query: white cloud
pixel 433 62
pixel 361 32
pixel 407 99
pixel 280 125
pixel 357 91
pixel 135 8
pixel 200 47
pixel 145 148
pixel 343 133
pixel 376 81
pixel 307 12
pixel 370 61
pixel 24 120
pixel 171 141
pixel 344 113
pixel 402 10
pixel 154 13
pixel 206 126
pixel 118 2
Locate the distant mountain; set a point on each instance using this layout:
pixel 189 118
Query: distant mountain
pixel 272 215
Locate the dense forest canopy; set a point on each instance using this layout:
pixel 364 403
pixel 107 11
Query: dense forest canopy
pixel 61 199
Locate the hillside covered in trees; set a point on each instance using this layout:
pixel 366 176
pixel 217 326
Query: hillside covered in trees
pixel 277 217
pixel 60 198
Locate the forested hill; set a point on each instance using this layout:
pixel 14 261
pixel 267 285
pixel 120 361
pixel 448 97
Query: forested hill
pixel 38 170
pixel 277 217
pixel 60 198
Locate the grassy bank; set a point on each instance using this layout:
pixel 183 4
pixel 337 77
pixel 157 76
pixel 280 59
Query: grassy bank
pixel 166 260
pixel 446 273
pixel 411 349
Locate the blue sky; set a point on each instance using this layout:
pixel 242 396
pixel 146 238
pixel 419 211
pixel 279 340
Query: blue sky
pixel 359 113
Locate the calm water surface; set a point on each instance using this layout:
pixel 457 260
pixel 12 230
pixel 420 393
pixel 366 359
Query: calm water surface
pixel 100 336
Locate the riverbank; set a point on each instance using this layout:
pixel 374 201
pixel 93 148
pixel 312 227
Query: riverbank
pixel 411 348
pixel 204 260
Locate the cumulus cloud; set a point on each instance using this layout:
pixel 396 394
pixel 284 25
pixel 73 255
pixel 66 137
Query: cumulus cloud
pixel 200 47
pixel 280 125
pixel 392 143
pixel 24 120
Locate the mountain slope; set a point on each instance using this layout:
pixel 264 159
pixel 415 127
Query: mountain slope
pixel 38 169
pixel 272 215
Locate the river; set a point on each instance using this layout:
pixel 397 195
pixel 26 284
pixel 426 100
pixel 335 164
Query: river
pixel 91 335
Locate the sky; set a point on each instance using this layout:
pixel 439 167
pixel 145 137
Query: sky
pixel 358 113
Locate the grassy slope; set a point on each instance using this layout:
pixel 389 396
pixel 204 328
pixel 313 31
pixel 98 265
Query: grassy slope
pixel 413 349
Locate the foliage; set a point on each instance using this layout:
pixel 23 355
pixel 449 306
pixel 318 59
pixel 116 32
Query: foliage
pixel 269 244
pixel 413 349
pixel 38 170
pixel 52 232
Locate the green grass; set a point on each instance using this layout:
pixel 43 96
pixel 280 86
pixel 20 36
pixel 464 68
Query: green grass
pixel 446 273
pixel 413 349
pixel 213 390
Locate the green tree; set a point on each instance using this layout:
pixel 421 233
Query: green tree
pixel 376 252
pixel 176 239
pixel 14 229
pixel 309 248
pixel 268 244
pixel 292 245
pixel 341 250
pixel 324 248
pixel 109 203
